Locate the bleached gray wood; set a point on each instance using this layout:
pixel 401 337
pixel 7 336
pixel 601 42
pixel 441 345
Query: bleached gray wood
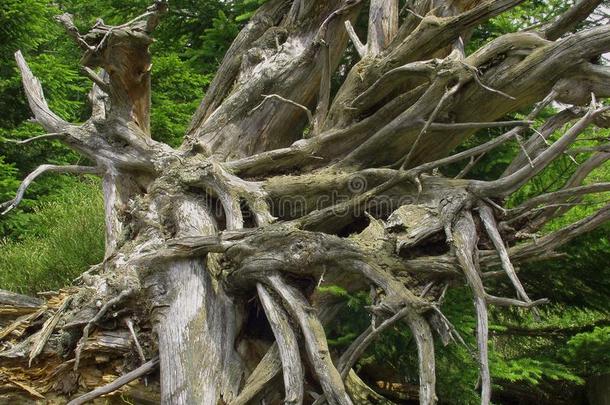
pixel 288 347
pixel 252 202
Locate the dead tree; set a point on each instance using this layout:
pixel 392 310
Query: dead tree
pixel 241 216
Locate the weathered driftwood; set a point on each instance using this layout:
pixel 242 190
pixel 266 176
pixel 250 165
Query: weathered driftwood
pixel 250 215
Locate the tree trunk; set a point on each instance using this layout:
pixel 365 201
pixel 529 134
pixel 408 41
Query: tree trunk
pixel 215 250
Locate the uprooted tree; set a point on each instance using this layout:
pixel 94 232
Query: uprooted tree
pixel 282 184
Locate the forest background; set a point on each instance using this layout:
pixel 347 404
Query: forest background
pixel 560 356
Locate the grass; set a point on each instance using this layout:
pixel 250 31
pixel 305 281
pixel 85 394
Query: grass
pixel 66 237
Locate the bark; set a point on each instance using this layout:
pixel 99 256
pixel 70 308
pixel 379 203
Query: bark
pixel 215 250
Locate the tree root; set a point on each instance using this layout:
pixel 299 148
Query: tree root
pixel 465 243
pixel 315 342
pixel 161 232
pixel 288 347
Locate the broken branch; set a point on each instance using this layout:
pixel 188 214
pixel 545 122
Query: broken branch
pixel 38 104
pixel 285 100
pixel 491 227
pixel 118 383
pixel 287 344
pixel 10 205
pixel 52 136
pixel 360 47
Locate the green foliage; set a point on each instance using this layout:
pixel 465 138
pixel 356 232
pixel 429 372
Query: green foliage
pixel 7 180
pixel 349 321
pixel 589 351
pixel 529 14
pixel 246 8
pixel 526 359
pixel 21 27
pixel 8 185
pixel 528 370
pixel 581 279
pixel 65 88
pixel 178 91
pixel 215 40
pixel 28 25
pixel 65 237
pixel 21 22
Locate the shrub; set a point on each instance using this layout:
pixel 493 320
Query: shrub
pixel 67 237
